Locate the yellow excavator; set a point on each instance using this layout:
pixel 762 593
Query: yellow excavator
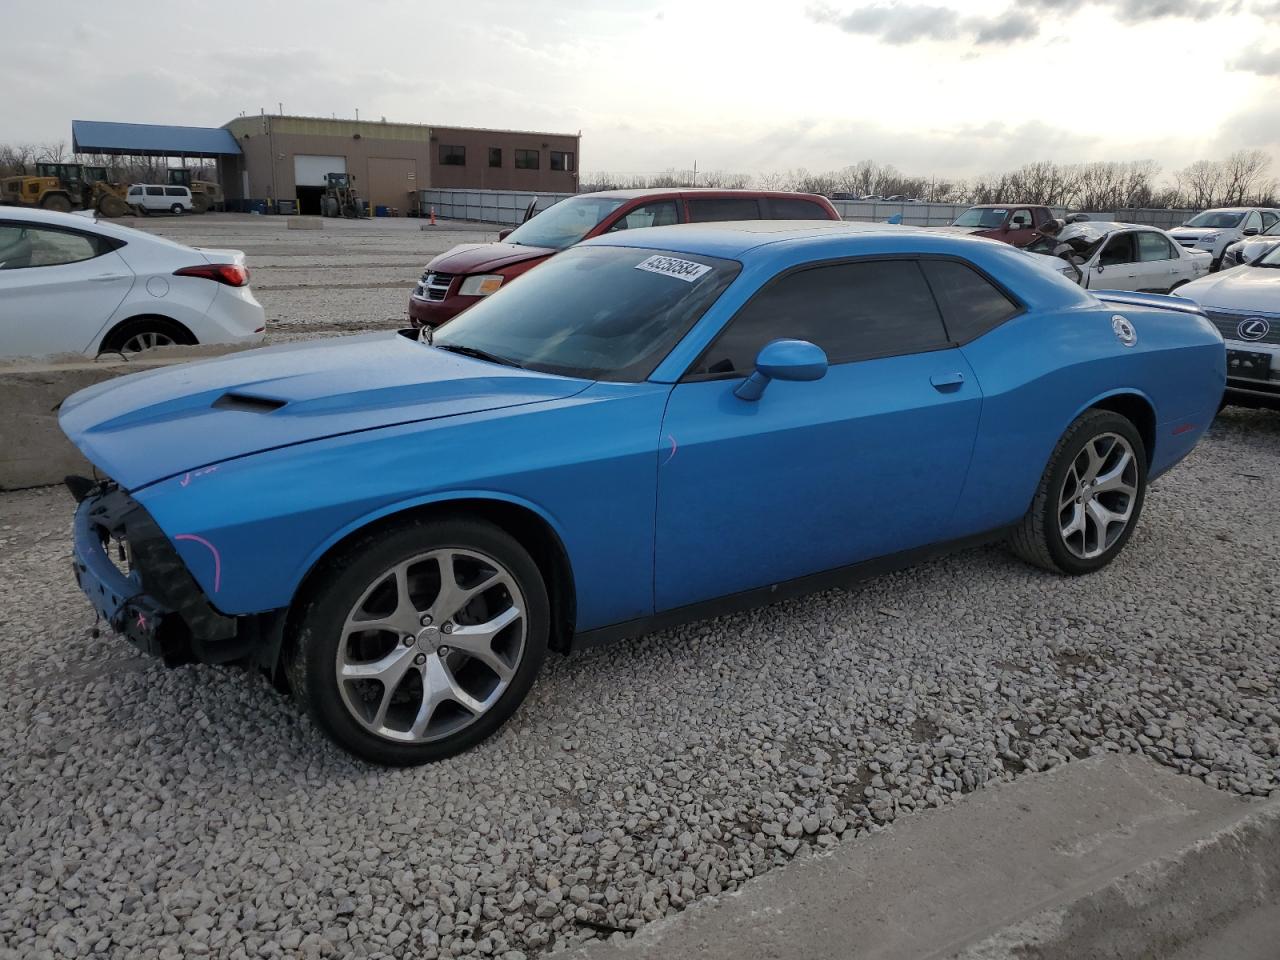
pixel 63 187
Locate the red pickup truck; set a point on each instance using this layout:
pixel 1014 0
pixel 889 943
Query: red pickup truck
pixel 455 280
pixel 1015 223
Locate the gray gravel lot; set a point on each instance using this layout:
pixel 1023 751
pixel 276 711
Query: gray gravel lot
pixel 150 812
pixel 146 812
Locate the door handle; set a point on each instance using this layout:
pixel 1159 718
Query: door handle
pixel 103 277
pixel 947 381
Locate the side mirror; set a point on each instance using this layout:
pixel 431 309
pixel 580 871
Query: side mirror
pixel 1250 231
pixel 1098 268
pixel 503 234
pixel 783 360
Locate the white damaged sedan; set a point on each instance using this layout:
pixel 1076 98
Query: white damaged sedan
pixel 1102 255
pixel 70 284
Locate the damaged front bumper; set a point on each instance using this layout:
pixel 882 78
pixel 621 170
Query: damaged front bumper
pixel 147 594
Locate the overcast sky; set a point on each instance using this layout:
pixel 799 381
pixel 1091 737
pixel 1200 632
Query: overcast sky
pixel 943 87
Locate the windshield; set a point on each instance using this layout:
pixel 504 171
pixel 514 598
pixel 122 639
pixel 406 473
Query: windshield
pixel 564 224
pixel 1215 218
pixel 603 313
pixel 985 217
pixel 1270 259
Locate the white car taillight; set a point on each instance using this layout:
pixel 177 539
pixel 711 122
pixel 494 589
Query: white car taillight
pixel 232 274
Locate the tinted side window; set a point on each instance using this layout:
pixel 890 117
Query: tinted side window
pixel 135 191
pixel 45 247
pixel 854 311
pixel 661 214
pixel 971 304
pixel 1023 215
pixel 155 191
pixel 786 208
pixel 175 191
pixel 1268 220
pixel 1119 249
pixel 727 208
pixel 1152 246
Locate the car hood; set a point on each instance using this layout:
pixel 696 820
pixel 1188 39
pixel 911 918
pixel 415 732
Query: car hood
pixel 1238 289
pixel 146 427
pixel 1195 233
pixel 477 257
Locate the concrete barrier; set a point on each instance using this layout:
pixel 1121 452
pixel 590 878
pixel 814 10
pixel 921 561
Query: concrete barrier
pixel 33 450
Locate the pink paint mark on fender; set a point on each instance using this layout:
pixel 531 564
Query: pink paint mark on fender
pixel 185 480
pixel 199 473
pixel 1183 428
pixel 142 621
pixel 217 558
pixel 674 447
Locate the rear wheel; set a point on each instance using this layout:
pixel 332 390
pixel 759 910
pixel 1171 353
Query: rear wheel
pixel 199 203
pixel 144 334
pixel 176 209
pixel 1089 499
pixel 419 642
pixel 57 202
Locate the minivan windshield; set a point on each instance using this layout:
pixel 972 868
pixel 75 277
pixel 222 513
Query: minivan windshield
pixel 1224 219
pixel 564 224
pixel 988 218
pixel 601 313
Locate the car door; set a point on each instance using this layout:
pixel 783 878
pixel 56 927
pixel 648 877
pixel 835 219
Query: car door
pixel 868 460
pixel 1159 267
pixel 659 213
pixel 58 294
pixel 1116 267
pixel 1021 231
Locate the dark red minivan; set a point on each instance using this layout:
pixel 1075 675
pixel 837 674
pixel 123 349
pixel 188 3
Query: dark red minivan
pixel 455 280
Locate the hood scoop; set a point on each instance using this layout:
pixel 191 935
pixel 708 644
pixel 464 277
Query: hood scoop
pixel 247 403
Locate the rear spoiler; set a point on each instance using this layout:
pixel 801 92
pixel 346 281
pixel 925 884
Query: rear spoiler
pixel 1159 301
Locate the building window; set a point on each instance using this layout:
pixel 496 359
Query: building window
pixel 526 159
pixel 453 156
pixel 561 160
pixel 495 156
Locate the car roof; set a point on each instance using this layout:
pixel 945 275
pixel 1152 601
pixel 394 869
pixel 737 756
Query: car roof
pixel 1236 209
pixel 78 221
pixel 694 192
pixel 1003 206
pixel 731 240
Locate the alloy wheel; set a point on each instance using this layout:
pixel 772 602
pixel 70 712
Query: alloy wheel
pixel 145 341
pixel 431 645
pixel 1097 497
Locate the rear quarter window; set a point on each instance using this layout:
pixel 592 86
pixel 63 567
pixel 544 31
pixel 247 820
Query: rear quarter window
pixel 971 304
pixel 788 208
pixel 717 209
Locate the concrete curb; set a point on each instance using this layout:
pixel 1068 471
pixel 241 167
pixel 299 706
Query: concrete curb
pixel 1113 857
pixel 33 450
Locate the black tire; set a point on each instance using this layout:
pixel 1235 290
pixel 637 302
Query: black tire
pixel 176 209
pixel 1180 283
pixel 310 657
pixel 56 202
pixel 329 207
pixel 118 339
pixel 1038 538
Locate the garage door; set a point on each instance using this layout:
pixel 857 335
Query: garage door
pixel 392 182
pixel 309 170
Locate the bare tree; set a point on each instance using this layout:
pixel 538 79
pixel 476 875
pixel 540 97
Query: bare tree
pixel 1242 177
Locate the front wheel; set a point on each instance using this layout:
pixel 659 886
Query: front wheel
pixel 1089 499
pixel 418 643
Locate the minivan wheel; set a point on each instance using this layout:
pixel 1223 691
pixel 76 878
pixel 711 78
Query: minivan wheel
pixel 1089 498
pixel 419 642
pixel 176 209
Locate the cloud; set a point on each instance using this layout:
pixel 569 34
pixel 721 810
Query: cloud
pixel 899 24
pixel 905 23
pixel 1010 25
pixel 1265 63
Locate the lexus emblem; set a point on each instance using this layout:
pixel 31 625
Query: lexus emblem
pixel 1124 330
pixel 1253 328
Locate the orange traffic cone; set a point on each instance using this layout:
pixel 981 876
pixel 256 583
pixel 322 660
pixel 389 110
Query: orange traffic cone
pixel 433 216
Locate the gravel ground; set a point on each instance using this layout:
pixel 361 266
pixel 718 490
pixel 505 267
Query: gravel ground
pixel 146 812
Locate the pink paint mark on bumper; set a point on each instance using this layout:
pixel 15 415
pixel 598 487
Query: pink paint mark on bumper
pixel 217 558
pixel 1182 428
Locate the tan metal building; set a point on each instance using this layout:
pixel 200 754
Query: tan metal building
pixel 285 158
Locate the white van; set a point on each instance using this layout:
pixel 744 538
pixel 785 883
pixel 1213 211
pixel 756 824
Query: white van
pixel 153 198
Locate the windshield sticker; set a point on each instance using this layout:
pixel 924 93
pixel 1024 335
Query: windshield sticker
pixel 685 270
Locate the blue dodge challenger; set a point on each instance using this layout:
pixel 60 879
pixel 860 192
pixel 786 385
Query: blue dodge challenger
pixel 654 426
